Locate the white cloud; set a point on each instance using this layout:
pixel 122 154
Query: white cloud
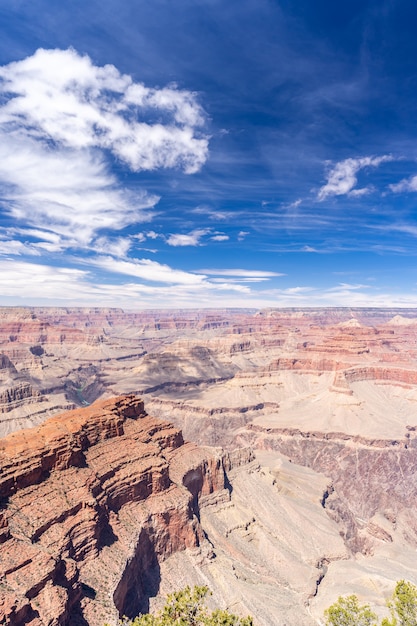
pixel 363 191
pixel 60 96
pixel 220 238
pixel 242 234
pixel 212 214
pixel 39 284
pixel 342 178
pixel 30 280
pixel 117 247
pixel 147 270
pixel 142 237
pixel 240 273
pixel 239 280
pixel 294 205
pixel 14 247
pixel 347 287
pixel 410 229
pixel 191 239
pixel 407 184
pixel 61 117
pixel 68 192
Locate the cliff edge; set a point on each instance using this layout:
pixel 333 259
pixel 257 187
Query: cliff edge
pixel 91 502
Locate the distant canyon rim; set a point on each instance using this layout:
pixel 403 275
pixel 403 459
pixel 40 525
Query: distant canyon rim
pixel 298 482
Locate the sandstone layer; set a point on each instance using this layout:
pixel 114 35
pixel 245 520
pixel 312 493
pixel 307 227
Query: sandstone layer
pixel 91 502
pixel 244 361
pixel 326 398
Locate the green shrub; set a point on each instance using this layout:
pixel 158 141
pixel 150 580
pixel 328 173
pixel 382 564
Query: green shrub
pixel 403 608
pixel 187 608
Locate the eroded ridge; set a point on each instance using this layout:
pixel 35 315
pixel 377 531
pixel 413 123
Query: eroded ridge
pixel 91 502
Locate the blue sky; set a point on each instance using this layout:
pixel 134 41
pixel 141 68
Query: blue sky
pixel 208 153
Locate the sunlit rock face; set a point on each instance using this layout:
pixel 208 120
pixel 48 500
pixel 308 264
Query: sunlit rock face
pixel 56 359
pixel 92 501
pixel 325 398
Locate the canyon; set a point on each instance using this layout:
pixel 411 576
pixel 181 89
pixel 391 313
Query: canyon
pixel 271 455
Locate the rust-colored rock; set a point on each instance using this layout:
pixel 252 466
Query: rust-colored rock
pixel 90 506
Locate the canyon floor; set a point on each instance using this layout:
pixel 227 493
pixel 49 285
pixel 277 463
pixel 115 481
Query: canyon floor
pixel 316 410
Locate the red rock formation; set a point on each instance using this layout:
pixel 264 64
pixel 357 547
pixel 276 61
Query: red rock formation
pixel 80 354
pixel 91 501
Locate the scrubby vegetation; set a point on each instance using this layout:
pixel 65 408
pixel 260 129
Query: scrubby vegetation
pixel 187 608
pixel 403 609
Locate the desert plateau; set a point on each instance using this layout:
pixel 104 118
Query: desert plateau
pixel 271 455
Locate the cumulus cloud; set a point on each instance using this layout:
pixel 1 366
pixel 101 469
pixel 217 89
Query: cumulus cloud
pixel 341 179
pixel 62 118
pixel 191 239
pixel 61 96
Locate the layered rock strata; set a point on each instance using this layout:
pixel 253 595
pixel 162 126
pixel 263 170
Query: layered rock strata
pixel 91 502
pixel 55 359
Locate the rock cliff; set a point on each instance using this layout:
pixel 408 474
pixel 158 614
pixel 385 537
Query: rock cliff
pixel 91 502
pixel 330 395
pixel 55 359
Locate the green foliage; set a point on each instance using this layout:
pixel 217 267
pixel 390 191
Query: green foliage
pixel 403 605
pixel 403 609
pixel 187 608
pixel 348 612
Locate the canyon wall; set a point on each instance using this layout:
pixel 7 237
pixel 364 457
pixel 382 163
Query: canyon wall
pixel 329 396
pixel 91 502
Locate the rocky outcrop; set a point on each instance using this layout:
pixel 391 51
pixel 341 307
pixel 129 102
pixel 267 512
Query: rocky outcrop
pixel 367 477
pixel 75 355
pixel 91 502
pixel 392 375
pixel 19 395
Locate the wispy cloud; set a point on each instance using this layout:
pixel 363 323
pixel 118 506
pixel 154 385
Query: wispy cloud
pixel 409 229
pixel 147 270
pixel 158 285
pixel 190 239
pixel 117 247
pixel 341 179
pixel 19 279
pixel 242 273
pixel 213 214
pixel 153 285
pixel 407 184
pixel 70 192
pixel 14 247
